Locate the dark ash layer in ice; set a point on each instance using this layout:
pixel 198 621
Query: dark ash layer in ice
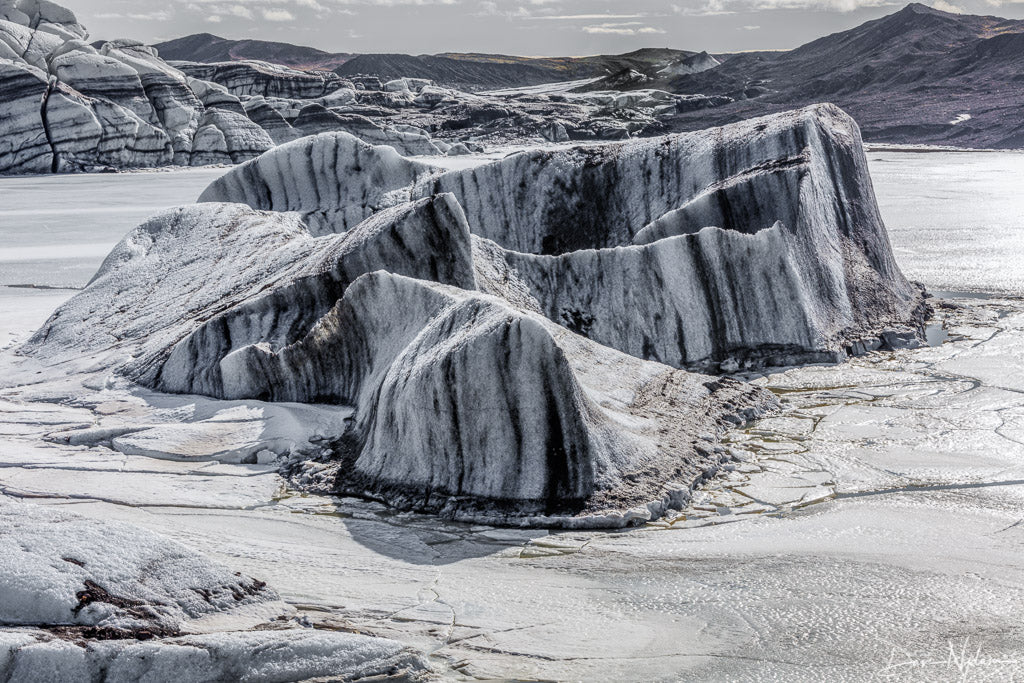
pixel 509 336
pixel 759 242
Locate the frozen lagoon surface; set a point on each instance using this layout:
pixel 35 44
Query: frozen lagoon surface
pixel 57 229
pixel 874 529
pixel 956 219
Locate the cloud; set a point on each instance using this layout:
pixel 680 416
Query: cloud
pixel 947 7
pixel 238 11
pixel 219 9
pixel 489 8
pixel 158 15
pixel 590 17
pixel 214 18
pixel 291 10
pixel 714 7
pixel 277 14
pixel 629 28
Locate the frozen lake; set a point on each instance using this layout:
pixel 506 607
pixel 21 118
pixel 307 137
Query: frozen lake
pixel 56 230
pixel 956 219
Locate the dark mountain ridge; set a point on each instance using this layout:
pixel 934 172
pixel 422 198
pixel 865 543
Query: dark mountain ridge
pixel 484 72
pixel 208 48
pixel 919 75
pixel 467 71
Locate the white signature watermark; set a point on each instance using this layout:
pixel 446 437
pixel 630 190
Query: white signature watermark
pixel 959 662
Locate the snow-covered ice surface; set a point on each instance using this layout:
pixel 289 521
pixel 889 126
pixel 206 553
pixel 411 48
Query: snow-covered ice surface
pixel 872 529
pixel 90 599
pixel 557 88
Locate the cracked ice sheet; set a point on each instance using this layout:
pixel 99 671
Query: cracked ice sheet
pixel 880 526
pixel 837 587
pixel 33 468
pixel 44 471
pixel 913 557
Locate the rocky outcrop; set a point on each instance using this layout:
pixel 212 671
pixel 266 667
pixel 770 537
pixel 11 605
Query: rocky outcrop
pixel 694 64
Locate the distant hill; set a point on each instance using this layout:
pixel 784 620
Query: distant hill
pixel 905 78
pixel 467 71
pixel 472 71
pixel 467 74
pixel 208 48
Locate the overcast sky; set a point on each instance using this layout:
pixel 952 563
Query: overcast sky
pixel 524 27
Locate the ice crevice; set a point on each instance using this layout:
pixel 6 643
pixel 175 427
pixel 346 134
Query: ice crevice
pixel 45 116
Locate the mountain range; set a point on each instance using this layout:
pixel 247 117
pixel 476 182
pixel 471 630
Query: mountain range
pixel 206 47
pixel 919 75
pixel 466 71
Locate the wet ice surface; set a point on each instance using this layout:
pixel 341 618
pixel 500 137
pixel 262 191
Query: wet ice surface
pixel 873 528
pixel 956 219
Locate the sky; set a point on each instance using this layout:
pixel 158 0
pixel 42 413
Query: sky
pixel 521 27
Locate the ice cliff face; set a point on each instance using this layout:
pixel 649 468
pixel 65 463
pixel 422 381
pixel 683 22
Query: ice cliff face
pixel 73 107
pixel 512 337
pixel 43 15
pixel 759 241
pixel 333 180
pixel 69 106
pixel 251 77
